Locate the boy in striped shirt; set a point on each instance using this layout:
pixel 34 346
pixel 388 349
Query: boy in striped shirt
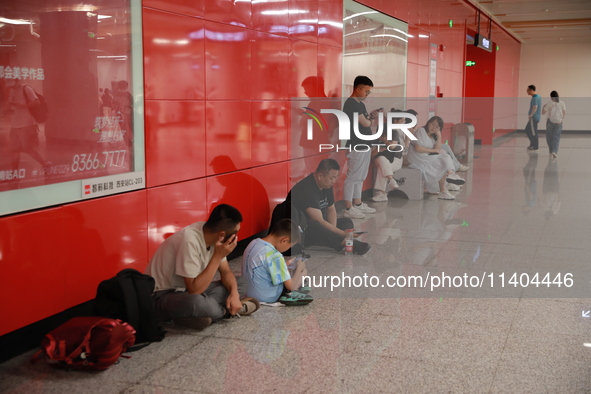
pixel 264 267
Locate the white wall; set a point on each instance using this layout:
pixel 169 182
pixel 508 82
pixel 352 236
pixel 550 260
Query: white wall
pixel 565 68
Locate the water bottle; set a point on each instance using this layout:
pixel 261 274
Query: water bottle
pixel 349 243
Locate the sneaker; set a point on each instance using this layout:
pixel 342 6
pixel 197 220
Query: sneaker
pixel 453 187
pixel 360 248
pixel 305 290
pixel 380 196
pixel 249 305
pixel 446 196
pixel 364 208
pixel 295 298
pixel 554 155
pixel 463 168
pixel 196 323
pixel 353 213
pixel 455 179
pixel 392 185
pixel 532 149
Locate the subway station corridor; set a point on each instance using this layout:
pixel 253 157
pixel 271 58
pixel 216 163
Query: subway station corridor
pixel 518 213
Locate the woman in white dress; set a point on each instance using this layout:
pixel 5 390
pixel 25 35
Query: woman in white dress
pixel 436 165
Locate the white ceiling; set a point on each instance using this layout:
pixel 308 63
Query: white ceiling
pixel 543 21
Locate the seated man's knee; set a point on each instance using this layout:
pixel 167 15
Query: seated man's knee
pixel 203 306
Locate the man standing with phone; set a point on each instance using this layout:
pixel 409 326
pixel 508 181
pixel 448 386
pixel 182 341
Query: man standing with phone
pixel 358 162
pixel 184 267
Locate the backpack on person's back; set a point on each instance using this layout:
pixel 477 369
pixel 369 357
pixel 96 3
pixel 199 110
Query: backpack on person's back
pixel 128 297
pixel 555 113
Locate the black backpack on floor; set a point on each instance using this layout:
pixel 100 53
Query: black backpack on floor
pixel 128 297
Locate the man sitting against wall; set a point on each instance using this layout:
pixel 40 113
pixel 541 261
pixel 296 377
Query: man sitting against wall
pixel 314 197
pixel 184 267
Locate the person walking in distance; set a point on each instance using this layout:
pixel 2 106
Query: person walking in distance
pixel 533 118
pixel 556 111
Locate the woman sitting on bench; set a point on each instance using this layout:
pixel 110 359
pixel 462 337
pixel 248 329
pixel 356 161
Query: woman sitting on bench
pixel 435 164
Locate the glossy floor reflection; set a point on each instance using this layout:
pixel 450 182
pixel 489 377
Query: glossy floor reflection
pixel 517 213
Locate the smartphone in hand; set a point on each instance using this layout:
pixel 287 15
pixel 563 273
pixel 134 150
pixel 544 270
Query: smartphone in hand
pixel 433 153
pixel 227 237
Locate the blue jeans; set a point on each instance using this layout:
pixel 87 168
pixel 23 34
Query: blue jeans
pixel 553 132
pixel 532 133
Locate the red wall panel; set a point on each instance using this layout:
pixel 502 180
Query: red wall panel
pixel 330 28
pixel 303 63
pixel 173 207
pixel 36 273
pixel 178 37
pixel 270 65
pixel 175 141
pixel 270 188
pixel 231 189
pixel 271 17
pixel 237 13
pixel 228 71
pixel 303 20
pixel 270 120
pixel 186 7
pixel 329 60
pixel 228 136
pixel 110 235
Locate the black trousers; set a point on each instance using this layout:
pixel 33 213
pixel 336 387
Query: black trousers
pixel 318 235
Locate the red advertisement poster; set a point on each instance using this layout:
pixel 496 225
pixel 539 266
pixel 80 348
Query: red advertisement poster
pixel 66 97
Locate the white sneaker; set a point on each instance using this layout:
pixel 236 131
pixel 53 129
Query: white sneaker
pixel 380 196
pixel 364 208
pixel 453 188
pixel 391 186
pixel 353 213
pixel 463 168
pixel 446 196
pixel 455 179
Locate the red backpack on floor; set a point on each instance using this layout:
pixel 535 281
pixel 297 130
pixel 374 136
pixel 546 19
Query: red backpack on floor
pixel 86 343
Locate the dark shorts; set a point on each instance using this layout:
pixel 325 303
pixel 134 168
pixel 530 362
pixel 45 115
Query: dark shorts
pixel 24 138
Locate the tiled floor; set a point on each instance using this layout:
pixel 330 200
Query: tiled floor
pixel 517 213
